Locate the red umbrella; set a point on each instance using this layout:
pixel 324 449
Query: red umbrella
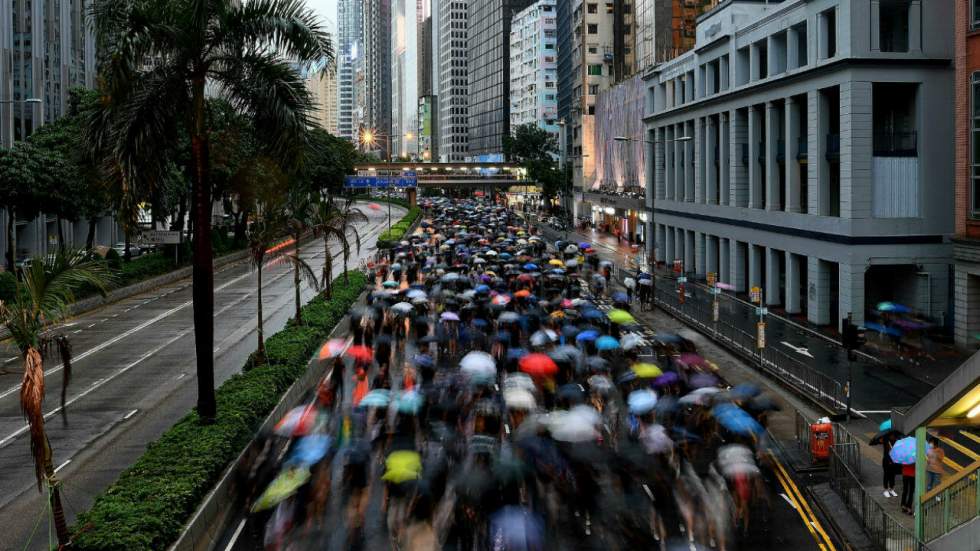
pixel 297 422
pixel 538 365
pixel 523 293
pixel 360 353
pixel 333 348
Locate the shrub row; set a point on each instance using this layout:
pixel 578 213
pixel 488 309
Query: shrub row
pixel 147 507
pixel 390 238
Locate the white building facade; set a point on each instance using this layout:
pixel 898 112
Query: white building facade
pixel 453 81
pixel 534 67
pixel 804 148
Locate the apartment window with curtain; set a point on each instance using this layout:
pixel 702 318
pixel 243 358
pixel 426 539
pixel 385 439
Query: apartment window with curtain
pixel 975 144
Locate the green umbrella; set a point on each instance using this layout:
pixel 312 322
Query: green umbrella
pixel 622 317
pixel 284 486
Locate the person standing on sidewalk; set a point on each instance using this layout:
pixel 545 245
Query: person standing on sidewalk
pixel 888 467
pixel 934 465
pixel 908 487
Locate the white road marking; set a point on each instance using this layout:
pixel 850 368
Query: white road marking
pixel 788 500
pixel 77 331
pixel 798 349
pixel 181 376
pixel 89 326
pixel 63 465
pixel 234 537
pixel 130 414
pixel 8 360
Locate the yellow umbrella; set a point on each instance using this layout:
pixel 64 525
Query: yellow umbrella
pixel 556 262
pixel 621 317
pixel 284 486
pixel 402 466
pixel 646 370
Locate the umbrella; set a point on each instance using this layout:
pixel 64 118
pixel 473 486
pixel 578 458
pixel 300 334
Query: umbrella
pixel 565 353
pixel 514 528
pixel 333 348
pixel 903 451
pixel 642 401
pixel 646 371
pixel 501 300
pixel 360 353
pixel 538 365
pixel 885 425
pixel 703 380
pixel 518 398
pixel 882 435
pixel 402 308
pixel 667 338
pixel 600 384
pixel 743 391
pixel 588 335
pixel 449 316
pixel 762 403
pixel 655 440
pixel 477 363
pixel 297 421
pixel 630 341
pixel 543 337
pixel 390 284
pixel 530 266
pixel 894 308
pixel 414 294
pixel 691 358
pixel 519 380
pixel 736 420
pixel 667 379
pixel 309 450
pixel 883 329
pixel 577 425
pixel 622 317
pixel 509 317
pixel 606 342
pixel 571 392
pixel 402 466
pixel 283 487
pixel 725 286
pixel 377 398
pixel 374 206
pixel 555 262
pixel 571 249
pixel 619 296
pixel 409 402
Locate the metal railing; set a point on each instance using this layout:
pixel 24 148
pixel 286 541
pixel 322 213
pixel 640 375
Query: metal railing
pixel 886 533
pixel 790 371
pixel 952 506
pixel 847 446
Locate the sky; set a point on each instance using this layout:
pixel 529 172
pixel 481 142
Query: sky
pixel 327 9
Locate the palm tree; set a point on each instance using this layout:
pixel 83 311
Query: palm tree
pixel 47 288
pixel 299 208
pixel 263 233
pixel 156 58
pixel 331 222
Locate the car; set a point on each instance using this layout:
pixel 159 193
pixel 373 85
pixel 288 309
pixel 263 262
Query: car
pixel 134 249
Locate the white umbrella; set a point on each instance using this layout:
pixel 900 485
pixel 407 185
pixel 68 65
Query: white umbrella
pixel 477 363
pixel 655 440
pixel 519 380
pixel 543 337
pixel 519 399
pixel 402 308
pixel 630 341
pixel 568 426
pixel 416 293
pixel 571 249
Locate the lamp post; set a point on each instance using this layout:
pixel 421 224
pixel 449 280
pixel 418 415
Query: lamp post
pixel 651 198
pixel 370 137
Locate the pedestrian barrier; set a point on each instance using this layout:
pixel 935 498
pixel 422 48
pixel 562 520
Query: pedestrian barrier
pixel 817 386
pixel 953 504
pixel 844 442
pixel 886 533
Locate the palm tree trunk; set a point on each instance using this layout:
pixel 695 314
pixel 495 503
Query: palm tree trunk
pixel 327 269
pixel 90 238
pixel 259 320
pixel 203 275
pixel 11 240
pixel 127 254
pixel 299 310
pixel 57 508
pixel 61 234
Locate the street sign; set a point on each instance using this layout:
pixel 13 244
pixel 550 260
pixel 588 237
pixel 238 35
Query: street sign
pixel 760 337
pixel 712 279
pixel 715 314
pixel 161 237
pixel 360 182
pixel 761 311
pixel 755 294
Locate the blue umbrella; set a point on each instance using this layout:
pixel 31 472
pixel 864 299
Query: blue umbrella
pixel 530 266
pixel 903 451
pixel 423 360
pixel 620 297
pixel 883 329
pixel 482 289
pixel 377 398
pixel 593 314
pixel 667 337
pixel 606 342
pixel 309 450
pixel 744 391
pixel 893 307
pixel 642 401
pixel 736 420
pixel 886 425
pixel 514 528
pixel 409 402
pixel 589 335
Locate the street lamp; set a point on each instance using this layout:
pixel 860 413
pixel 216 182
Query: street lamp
pixel 370 137
pixel 651 198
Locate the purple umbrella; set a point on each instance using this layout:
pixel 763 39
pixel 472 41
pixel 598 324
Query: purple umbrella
pixel 449 316
pixel 666 379
pixel 702 380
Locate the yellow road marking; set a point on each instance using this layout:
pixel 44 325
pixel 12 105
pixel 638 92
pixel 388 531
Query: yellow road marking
pixel 798 497
pixel 971 436
pixel 960 448
pixel 799 509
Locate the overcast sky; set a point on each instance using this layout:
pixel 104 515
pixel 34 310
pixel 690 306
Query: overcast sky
pixel 328 13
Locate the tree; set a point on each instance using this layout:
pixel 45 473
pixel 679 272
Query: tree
pixel 47 289
pixel 536 150
pixel 239 48
pixel 19 169
pixel 332 222
pixel 299 213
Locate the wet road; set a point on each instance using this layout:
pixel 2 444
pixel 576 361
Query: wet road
pixel 133 377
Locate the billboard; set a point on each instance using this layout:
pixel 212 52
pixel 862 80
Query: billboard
pixel 426 130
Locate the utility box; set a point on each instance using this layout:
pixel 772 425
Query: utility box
pixel 821 438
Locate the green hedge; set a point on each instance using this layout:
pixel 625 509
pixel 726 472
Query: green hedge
pixel 389 238
pixel 147 507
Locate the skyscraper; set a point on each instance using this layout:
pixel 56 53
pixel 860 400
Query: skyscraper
pixel 453 101
pixel 45 50
pixel 350 17
pixel 488 67
pixel 322 84
pixel 404 100
pixel 533 67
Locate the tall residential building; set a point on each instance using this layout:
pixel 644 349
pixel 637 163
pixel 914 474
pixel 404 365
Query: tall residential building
pixel 377 85
pixel 428 115
pixel 534 66
pixel 350 16
pixel 45 50
pixel 488 67
pixel 404 100
pixel 453 101
pixel 804 148
pixel 966 241
pixel 322 84
pixel 424 48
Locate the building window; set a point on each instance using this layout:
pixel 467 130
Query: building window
pixel 595 70
pixel 975 152
pixel 593 8
pixel 593 28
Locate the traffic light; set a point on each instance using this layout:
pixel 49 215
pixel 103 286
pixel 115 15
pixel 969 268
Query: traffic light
pixel 852 336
